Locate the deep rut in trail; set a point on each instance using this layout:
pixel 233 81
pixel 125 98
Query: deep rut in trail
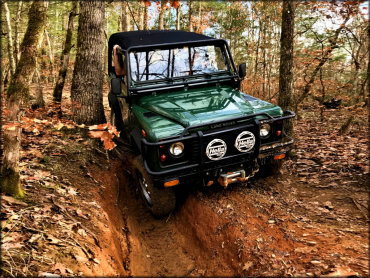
pixel 155 244
pixel 193 241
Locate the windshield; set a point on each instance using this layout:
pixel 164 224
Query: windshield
pixel 168 64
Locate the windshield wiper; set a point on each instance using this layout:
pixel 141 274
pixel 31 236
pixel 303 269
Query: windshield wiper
pixel 192 71
pixel 160 75
pixel 206 74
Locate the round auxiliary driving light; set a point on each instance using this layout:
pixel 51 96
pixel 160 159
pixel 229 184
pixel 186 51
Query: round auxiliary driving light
pixel 177 148
pixel 265 130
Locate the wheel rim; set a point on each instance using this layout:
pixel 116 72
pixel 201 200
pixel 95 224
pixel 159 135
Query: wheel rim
pixel 144 188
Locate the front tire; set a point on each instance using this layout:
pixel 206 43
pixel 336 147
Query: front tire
pixel 160 201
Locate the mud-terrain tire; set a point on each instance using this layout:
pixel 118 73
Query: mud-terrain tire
pixel 160 201
pixel 271 168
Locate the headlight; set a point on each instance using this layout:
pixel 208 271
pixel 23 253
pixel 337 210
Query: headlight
pixel 177 148
pixel 265 130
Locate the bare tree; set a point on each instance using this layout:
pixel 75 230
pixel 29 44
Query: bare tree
pixel 17 93
pixel 10 39
pixel 51 56
pixel 87 81
pixel 286 61
pixel 190 15
pixel 348 11
pixel 16 31
pixel 58 90
pixel 125 14
pixel 178 15
pixel 161 15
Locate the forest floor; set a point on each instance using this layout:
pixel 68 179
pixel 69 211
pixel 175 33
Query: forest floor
pixel 83 216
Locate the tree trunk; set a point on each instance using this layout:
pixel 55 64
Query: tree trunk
pixel 199 18
pixel 257 50
pixel 10 39
pixel 17 93
pixel 161 15
pixel 141 16
pixel 145 18
pixel 126 23
pixel 39 103
pixel 87 81
pixel 367 100
pixel 16 31
pixel 286 62
pixel 51 58
pixel 58 90
pixel 178 11
pixel 190 15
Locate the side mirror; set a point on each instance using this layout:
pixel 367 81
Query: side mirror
pixel 116 86
pixel 242 70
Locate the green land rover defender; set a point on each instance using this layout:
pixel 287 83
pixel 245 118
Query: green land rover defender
pixel 179 105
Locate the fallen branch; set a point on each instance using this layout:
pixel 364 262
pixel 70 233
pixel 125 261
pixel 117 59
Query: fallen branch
pixel 358 207
pixel 345 127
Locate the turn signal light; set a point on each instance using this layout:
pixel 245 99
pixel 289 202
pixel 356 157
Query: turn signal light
pixel 278 132
pixel 279 156
pixel 163 157
pixel 171 183
pixel 143 132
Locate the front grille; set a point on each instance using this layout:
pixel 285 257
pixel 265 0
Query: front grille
pixel 195 155
pixel 228 137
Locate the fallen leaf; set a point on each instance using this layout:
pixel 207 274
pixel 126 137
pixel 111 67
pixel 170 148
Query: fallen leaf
pixel 81 259
pixel 342 271
pixel 47 274
pixel 247 266
pixel 12 200
pixel 34 238
pixel 82 232
pixel 61 268
pixel 53 240
pixel 71 191
pixel 59 126
pixel 328 205
pixel 81 214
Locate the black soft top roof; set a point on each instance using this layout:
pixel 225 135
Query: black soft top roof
pixel 146 38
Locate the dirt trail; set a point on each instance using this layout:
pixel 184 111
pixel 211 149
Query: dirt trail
pixel 156 246
pixel 246 230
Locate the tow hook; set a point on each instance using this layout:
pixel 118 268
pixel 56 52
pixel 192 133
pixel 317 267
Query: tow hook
pixel 231 177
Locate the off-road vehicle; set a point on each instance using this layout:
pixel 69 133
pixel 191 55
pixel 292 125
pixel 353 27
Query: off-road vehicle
pixel 181 108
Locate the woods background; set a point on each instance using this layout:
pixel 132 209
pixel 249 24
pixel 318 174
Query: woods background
pixel 330 40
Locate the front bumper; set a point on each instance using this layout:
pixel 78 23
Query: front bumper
pixel 201 167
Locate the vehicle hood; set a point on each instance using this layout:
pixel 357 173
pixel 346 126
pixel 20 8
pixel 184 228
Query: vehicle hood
pixel 206 105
